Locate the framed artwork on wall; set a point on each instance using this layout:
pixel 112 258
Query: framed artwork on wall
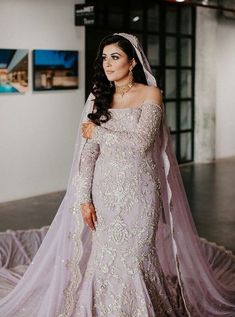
pixel 13 70
pixel 55 70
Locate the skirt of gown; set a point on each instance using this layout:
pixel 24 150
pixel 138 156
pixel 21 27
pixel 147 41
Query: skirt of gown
pixel 124 277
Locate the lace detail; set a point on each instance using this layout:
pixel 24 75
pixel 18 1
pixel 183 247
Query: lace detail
pixel 89 156
pixel 123 275
pixel 138 140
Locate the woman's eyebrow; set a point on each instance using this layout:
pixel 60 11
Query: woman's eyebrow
pixel 112 54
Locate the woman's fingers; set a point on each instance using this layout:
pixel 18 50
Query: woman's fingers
pixel 87 128
pixel 90 223
pixel 84 130
pixel 89 215
pixel 94 218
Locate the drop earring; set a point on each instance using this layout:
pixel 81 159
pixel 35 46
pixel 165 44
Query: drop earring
pixel 111 84
pixel 131 75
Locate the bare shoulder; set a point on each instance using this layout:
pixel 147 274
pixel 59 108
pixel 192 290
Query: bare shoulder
pixel 153 93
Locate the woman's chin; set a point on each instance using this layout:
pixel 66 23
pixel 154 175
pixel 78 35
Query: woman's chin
pixel 111 78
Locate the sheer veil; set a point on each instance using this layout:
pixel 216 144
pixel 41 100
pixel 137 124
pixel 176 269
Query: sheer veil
pixel 202 273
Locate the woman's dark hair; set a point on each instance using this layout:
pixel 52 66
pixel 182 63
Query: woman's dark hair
pixel 102 90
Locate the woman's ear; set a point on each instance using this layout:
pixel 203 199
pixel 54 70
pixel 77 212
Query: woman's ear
pixel 133 63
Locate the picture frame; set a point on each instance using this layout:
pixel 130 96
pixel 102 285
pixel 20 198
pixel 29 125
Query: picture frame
pixel 55 69
pixel 13 71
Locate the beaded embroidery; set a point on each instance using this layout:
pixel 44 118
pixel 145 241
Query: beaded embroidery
pixel 118 174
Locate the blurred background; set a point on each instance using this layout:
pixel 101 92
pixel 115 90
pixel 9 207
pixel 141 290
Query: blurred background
pixel 190 46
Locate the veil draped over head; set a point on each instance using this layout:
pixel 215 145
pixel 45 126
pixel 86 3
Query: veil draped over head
pixel 204 273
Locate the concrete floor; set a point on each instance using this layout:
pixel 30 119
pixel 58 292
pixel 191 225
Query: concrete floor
pixel 211 193
pixel 210 189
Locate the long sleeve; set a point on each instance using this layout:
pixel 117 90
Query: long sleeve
pixel 138 139
pixel 89 156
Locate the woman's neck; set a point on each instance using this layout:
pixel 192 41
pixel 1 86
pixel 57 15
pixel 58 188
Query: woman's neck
pixel 122 82
pixel 124 85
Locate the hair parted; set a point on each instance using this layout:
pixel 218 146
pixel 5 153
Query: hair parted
pixel 101 88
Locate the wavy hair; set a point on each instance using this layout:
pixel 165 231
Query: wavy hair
pixel 102 90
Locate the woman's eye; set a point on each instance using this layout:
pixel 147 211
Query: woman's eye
pixel 104 58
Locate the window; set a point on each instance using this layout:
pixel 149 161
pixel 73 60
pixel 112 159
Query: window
pixel 167 34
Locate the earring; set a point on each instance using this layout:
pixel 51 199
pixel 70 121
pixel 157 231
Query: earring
pixel 131 75
pixel 111 84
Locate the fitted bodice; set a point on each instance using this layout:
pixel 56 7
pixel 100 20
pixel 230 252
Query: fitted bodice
pixel 121 146
pixel 125 121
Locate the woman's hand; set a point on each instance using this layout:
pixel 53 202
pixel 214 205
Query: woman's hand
pixel 87 129
pixel 89 214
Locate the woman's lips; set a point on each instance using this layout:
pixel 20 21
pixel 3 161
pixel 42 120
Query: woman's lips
pixel 109 72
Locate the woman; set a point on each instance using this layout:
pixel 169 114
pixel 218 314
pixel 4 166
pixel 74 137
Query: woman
pixel 129 246
pixel 123 256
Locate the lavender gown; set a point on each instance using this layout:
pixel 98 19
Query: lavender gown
pixel 145 257
pixel 124 277
pixel 131 266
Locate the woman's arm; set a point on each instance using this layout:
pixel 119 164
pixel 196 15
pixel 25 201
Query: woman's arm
pixel 140 138
pixel 89 156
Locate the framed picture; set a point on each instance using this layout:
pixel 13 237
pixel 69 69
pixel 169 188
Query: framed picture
pixel 55 70
pixel 13 71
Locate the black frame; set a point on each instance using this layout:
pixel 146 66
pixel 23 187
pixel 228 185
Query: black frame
pixel 178 131
pixel 102 27
pixel 76 70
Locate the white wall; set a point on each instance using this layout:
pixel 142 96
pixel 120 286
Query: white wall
pixel 205 85
pixel 214 86
pixel 37 130
pixel 225 106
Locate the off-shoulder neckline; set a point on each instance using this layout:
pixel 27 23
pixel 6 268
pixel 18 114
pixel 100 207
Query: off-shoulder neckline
pixel 139 106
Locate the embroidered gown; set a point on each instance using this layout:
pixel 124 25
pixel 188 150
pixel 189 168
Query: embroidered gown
pixel 124 277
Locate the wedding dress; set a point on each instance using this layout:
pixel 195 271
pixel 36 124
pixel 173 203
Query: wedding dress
pixel 124 275
pixel 145 258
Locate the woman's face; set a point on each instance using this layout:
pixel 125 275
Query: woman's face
pixel 116 64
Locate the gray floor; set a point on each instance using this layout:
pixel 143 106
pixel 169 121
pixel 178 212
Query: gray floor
pixel 211 192
pixel 210 189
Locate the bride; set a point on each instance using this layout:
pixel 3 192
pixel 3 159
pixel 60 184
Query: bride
pixel 123 242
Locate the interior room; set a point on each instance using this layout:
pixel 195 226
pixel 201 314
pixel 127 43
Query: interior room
pixel 190 47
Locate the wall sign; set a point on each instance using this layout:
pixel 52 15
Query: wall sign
pixel 84 14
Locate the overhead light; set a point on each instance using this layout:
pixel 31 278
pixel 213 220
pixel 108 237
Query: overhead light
pixel 179 0
pixel 136 18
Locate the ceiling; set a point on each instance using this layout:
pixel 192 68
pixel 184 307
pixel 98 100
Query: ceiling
pixel 226 5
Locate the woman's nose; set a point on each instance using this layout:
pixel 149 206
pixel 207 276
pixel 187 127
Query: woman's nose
pixel 108 62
